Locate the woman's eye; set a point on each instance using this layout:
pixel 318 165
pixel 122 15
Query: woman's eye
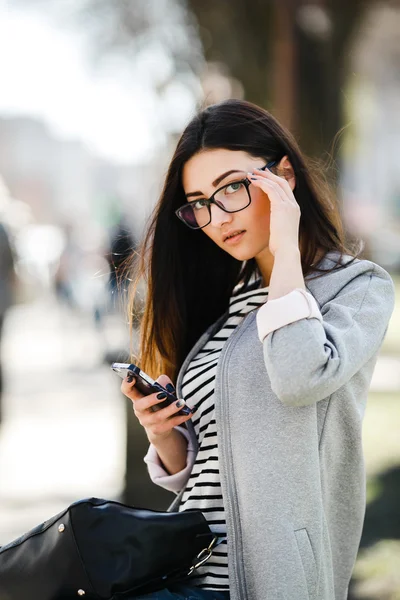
pixel 199 204
pixel 233 187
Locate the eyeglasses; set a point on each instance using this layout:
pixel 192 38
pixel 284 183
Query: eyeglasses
pixel 231 198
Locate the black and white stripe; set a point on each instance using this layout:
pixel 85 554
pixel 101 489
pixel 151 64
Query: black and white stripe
pixel 203 490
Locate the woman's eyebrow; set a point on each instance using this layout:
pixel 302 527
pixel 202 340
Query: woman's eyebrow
pixel 215 182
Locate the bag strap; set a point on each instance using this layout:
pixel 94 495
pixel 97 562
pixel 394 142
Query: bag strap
pixel 202 557
pixel 205 554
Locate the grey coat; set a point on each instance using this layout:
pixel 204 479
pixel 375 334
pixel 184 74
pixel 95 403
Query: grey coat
pixel 289 418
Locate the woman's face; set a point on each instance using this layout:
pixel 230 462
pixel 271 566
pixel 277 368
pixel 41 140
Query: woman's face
pixel 252 223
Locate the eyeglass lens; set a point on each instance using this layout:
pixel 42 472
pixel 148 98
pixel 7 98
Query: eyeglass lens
pixel 231 198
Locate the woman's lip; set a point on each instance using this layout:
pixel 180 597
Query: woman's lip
pixel 235 239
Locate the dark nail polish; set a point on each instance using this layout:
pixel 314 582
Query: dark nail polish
pixel 129 378
pixel 170 388
pixel 180 403
pixel 161 395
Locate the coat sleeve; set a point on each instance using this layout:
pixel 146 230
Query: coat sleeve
pixel 310 358
pixel 158 474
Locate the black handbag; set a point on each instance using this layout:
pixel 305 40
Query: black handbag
pixel 104 550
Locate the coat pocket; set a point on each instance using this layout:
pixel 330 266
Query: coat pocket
pixel 308 560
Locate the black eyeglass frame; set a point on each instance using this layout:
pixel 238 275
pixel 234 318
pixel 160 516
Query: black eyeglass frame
pixel 211 200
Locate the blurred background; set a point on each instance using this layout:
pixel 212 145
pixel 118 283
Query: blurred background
pixel 93 97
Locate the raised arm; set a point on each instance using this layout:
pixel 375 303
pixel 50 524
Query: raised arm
pixel 311 351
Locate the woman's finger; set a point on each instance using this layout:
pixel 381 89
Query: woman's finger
pixel 280 181
pixel 166 425
pixel 147 402
pixel 162 420
pixel 165 381
pixel 128 389
pixel 270 188
pixel 148 417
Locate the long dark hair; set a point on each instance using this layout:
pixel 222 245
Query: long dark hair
pixel 189 278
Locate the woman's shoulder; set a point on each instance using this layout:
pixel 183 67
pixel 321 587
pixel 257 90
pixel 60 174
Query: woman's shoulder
pixel 337 271
pixel 345 266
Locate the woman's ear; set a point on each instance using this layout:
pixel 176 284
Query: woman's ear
pixel 285 169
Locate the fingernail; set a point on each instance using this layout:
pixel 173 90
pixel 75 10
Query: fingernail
pixel 129 378
pixel 180 403
pixel 170 387
pixel 161 395
pixel 194 409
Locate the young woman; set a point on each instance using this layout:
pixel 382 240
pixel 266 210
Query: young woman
pixel 269 326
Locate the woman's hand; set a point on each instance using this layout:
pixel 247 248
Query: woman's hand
pixel 159 424
pixel 285 211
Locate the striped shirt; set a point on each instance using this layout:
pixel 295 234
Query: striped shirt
pixel 203 489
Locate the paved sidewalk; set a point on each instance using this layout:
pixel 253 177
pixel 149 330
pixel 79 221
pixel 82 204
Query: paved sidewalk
pixel 63 433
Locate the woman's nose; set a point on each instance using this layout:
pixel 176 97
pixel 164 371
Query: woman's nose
pixel 219 216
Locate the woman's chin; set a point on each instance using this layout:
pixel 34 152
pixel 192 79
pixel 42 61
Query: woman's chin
pixel 242 254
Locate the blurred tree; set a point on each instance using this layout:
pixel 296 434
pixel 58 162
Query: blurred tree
pixel 157 39
pixel 291 56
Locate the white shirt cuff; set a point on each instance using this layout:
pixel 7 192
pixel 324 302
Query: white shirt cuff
pixel 294 306
pixel 161 477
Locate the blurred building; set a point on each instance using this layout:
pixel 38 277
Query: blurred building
pixel 54 177
pixel 62 181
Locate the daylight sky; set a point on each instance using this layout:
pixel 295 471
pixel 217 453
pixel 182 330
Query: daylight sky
pixel 45 73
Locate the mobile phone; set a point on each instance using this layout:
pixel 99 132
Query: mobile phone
pixel 146 385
